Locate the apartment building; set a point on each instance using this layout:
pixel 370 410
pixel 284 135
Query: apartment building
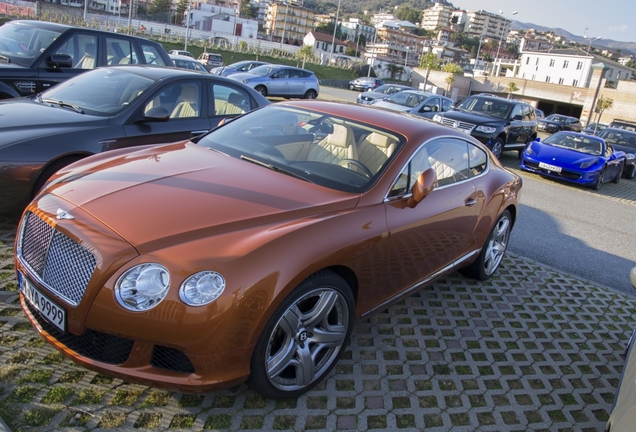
pixel 355 27
pixel 482 24
pixel 398 46
pixel 288 22
pixel 437 16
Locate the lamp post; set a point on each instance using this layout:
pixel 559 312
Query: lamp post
pixel 185 46
pixel 589 45
pixel 501 39
pixel 372 54
pixel 477 56
pixel 406 57
pixel 335 28
pixel 284 25
pixel 237 12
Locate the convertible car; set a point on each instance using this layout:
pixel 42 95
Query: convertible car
pixel 575 157
pixel 249 253
pixel 106 109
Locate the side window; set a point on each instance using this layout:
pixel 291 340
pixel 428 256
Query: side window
pixel 433 104
pixel 449 159
pixel 118 51
pixel 181 100
pixel 477 160
pixel 528 113
pixel 446 104
pixel 283 73
pixel 83 50
pixel 516 111
pixel 228 100
pixel 152 56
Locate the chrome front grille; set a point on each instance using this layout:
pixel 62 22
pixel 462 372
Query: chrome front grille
pixel 456 124
pixel 60 264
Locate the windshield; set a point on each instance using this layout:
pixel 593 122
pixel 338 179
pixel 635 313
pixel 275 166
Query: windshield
pixel 101 91
pixel 22 43
pixel 406 98
pixel 619 137
pixel 262 70
pixel 557 118
pixel 486 106
pixel 582 144
pixel 315 147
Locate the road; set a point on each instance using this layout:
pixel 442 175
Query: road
pixel 571 229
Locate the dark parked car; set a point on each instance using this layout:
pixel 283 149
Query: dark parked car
pixel 382 92
pixel 501 124
pixel 557 122
pixel 623 140
pixel 106 109
pixel 594 128
pixel 623 124
pixel 539 113
pixel 249 257
pixel 365 83
pixel 185 62
pixel 416 102
pixel 280 80
pixel 36 55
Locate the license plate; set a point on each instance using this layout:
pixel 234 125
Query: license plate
pixel 55 314
pixel 549 167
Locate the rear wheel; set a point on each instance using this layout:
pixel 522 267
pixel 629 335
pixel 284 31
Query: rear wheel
pixel 493 251
pixel 631 173
pixel 304 338
pixel 497 147
pixel 311 94
pixel 619 174
pixel 261 89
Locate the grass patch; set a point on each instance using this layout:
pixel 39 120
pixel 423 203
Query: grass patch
pixel 71 377
pixel 58 395
pixel 89 396
pixel 183 421
pixel 125 397
pixel 41 376
pixel 21 357
pixel 53 359
pixel 35 342
pixel 22 394
pixel 148 421
pixel 156 398
pixel 191 400
pixel 218 421
pixel 39 416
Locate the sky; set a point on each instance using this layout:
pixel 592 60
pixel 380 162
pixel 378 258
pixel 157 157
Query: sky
pixel 609 19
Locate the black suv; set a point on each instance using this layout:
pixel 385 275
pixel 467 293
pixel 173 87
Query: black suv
pixel 36 55
pixel 501 124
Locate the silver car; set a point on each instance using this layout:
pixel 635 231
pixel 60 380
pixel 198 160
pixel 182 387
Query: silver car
pixel 242 66
pixel 382 92
pixel 417 102
pixel 280 80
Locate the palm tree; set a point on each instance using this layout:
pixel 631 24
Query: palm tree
pixel 511 88
pixel 429 61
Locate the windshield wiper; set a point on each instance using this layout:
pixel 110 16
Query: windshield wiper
pixel 274 168
pixel 63 104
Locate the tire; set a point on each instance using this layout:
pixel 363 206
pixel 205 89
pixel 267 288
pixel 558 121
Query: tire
pixel 304 338
pixel 493 251
pixel 632 172
pixel 49 171
pixel 497 147
pixel 311 94
pixel 350 86
pixel 599 181
pixel 261 89
pixel 617 179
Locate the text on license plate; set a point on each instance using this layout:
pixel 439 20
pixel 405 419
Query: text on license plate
pixel 549 167
pixel 55 314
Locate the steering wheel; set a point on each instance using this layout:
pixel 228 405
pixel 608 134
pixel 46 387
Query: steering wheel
pixel 366 171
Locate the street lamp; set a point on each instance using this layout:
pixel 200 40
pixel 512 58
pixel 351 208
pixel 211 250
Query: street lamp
pixel 589 45
pixel 406 57
pixel 335 28
pixel 185 46
pixel 284 25
pixel 501 39
pixel 373 54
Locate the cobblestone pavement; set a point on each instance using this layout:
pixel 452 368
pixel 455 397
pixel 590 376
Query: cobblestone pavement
pixel 532 349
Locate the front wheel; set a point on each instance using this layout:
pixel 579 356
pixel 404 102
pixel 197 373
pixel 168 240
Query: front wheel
pixel 304 338
pixel 351 87
pixel 311 94
pixel 497 147
pixel 261 89
pixel 599 180
pixel 632 172
pixel 493 251
pixel 619 174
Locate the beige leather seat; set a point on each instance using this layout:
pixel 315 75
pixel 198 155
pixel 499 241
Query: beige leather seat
pixel 447 162
pixel 338 145
pixel 235 104
pixel 374 150
pixel 189 102
pixel 88 60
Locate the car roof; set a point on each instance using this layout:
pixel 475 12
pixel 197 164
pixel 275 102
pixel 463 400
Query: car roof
pixel 162 72
pixel 181 57
pixel 64 27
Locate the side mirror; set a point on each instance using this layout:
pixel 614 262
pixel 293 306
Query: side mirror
pixel 517 118
pixel 423 186
pixel 157 114
pixel 60 60
pixel 538 139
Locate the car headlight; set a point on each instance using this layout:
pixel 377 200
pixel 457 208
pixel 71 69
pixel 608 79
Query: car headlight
pixel 486 129
pixel 630 156
pixel 245 81
pixel 438 118
pixel 142 287
pixel 529 150
pixel 588 163
pixel 202 288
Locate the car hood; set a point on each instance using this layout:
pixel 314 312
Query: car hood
pixel 22 119
pixel 158 196
pixel 473 118
pixel 391 105
pixel 244 75
pixel 560 156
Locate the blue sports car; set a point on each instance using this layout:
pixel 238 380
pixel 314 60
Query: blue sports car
pixel 575 157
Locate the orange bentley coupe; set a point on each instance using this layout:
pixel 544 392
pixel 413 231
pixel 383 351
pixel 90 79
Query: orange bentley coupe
pixel 247 254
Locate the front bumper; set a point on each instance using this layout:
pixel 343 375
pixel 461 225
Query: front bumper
pixel 586 178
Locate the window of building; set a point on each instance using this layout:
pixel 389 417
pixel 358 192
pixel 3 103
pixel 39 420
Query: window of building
pixel 560 80
pixel 565 64
pixel 528 60
pixel 579 65
pixel 547 79
pixel 537 62
pixel 551 62
pixel 575 83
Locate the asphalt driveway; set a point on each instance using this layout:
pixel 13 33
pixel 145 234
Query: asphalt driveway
pixel 532 349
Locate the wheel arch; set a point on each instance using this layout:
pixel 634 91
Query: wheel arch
pixel 6 92
pixel 52 166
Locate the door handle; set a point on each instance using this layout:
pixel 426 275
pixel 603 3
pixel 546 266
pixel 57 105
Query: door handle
pixel 470 202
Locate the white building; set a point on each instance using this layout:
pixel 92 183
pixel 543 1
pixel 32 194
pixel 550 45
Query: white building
pixel 486 24
pixel 437 16
pixel 221 21
pixel 571 67
pixel 354 27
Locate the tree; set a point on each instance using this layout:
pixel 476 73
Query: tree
pixel 602 104
pixel 394 70
pixel 453 68
pixel 327 28
pixel 248 10
pixel 450 80
pixel 406 13
pixel 428 62
pixel 182 6
pixel 305 52
pixel 160 6
pixel 511 88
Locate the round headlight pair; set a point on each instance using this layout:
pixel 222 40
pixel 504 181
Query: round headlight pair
pixel 144 286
